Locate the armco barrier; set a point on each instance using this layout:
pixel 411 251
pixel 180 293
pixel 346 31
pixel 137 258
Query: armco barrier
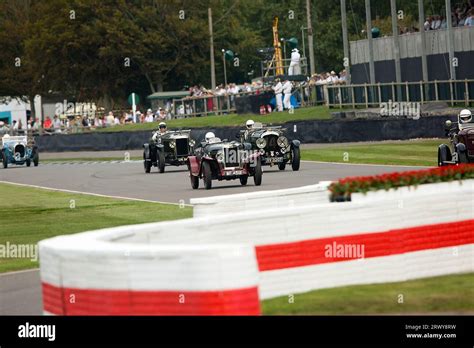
pixel 267 200
pixel 311 247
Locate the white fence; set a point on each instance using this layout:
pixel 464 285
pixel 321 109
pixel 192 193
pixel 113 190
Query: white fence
pixel 379 238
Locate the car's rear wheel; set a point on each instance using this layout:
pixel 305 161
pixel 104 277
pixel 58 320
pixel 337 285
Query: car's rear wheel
pixel 295 158
pixel 257 177
pixel 243 180
pixel 4 159
pixel 146 164
pixel 444 155
pixel 161 161
pixel 462 157
pixel 194 181
pixel 282 165
pixel 207 175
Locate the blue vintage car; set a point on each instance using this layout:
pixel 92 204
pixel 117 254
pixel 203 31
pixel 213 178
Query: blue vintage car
pixel 17 150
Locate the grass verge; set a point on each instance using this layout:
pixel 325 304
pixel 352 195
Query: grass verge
pixel 446 294
pixel 232 120
pixel 410 153
pixel 30 215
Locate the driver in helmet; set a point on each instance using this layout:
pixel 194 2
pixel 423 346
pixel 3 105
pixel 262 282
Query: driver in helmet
pixel 465 119
pixel 248 125
pixel 208 137
pixel 162 130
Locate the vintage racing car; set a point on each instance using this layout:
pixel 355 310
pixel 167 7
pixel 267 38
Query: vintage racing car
pixel 272 144
pixel 461 137
pixel 19 150
pixel 168 148
pixel 224 160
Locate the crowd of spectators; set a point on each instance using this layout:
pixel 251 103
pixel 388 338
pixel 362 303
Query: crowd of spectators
pixel 462 16
pixel 329 78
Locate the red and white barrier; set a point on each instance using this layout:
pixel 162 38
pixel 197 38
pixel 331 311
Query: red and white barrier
pixel 387 237
pixel 97 274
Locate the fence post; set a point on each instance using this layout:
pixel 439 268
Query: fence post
pixel 407 89
pixel 466 93
pixel 379 90
pixel 422 93
pixel 451 91
pixel 436 90
pixel 340 98
pixel 366 96
pixel 394 97
pixel 353 97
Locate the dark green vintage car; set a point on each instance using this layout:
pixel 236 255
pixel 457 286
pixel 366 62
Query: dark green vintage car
pixel 168 148
pixel 274 147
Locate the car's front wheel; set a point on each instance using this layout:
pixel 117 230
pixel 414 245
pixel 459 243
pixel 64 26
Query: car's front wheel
pixel 295 158
pixel 146 164
pixel 161 161
pixel 4 159
pixel 207 175
pixel 36 159
pixel 257 177
pixel 444 155
pixel 243 180
pixel 282 165
pixel 194 181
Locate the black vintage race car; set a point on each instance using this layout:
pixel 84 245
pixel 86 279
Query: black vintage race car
pixel 224 160
pixel 168 148
pixel 273 145
pixel 461 141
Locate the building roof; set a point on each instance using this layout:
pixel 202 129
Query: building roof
pixel 169 95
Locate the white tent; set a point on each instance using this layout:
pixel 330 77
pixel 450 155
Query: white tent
pixel 14 110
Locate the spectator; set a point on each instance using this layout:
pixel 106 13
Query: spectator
pixel 469 22
pixel 110 119
pixel 295 68
pixel 47 124
pixel 149 116
pixel 428 22
pixel 56 124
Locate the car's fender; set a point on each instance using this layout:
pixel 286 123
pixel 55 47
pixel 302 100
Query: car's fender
pixel 295 143
pixel 194 166
pixel 460 148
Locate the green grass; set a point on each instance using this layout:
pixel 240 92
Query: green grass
pixel 310 113
pixel 411 152
pixel 446 294
pixel 30 215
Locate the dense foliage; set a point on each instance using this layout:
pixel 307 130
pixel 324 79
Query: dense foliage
pixel 101 50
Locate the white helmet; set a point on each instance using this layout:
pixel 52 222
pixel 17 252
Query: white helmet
pixel 249 124
pixel 465 116
pixel 209 136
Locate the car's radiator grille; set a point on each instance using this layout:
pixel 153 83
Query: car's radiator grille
pixel 20 149
pixel 272 144
pixel 231 158
pixel 182 147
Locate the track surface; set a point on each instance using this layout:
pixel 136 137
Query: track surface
pixel 20 292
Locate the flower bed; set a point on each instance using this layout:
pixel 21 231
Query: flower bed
pixel 342 189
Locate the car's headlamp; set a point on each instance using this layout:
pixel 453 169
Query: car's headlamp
pixel 172 144
pixel 261 143
pixel 192 143
pixel 282 142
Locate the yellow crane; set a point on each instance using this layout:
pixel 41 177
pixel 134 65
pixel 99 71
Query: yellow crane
pixel 277 57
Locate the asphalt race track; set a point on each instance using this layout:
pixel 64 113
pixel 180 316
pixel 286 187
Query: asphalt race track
pixel 20 292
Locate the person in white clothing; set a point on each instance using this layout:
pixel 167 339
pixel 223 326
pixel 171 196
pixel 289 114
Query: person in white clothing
pixel 278 89
pixel 295 67
pixel 287 86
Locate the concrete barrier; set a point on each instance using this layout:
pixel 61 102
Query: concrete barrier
pixel 370 240
pixel 276 199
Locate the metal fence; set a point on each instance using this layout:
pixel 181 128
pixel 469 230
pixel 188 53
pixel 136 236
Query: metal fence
pixel 366 95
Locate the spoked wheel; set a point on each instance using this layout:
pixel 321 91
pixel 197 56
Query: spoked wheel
pixel 207 175
pixel 444 155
